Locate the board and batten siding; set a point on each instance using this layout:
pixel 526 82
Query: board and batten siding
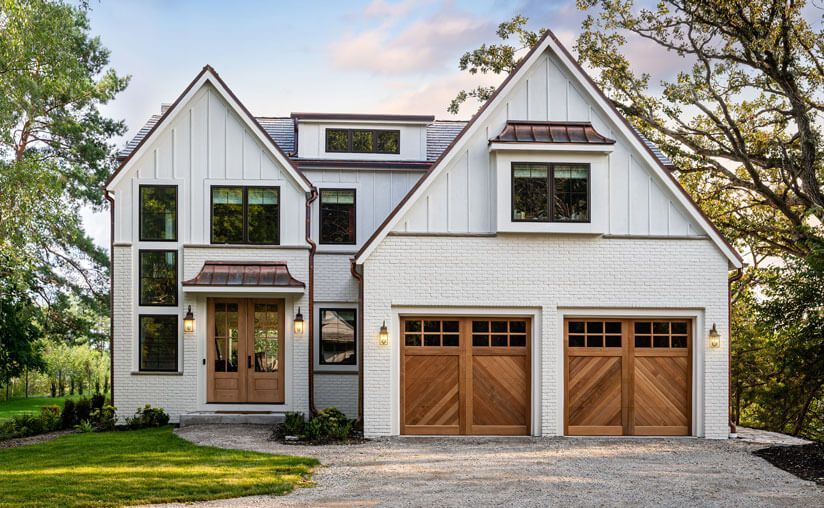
pixel 206 144
pixel 463 198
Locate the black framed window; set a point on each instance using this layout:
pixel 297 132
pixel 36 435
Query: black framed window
pixel 158 277
pixel 158 213
pixel 246 215
pixel 363 141
pixel 338 329
pixel 337 216
pixel 158 342
pixel 550 192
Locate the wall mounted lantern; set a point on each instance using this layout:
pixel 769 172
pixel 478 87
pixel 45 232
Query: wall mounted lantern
pixel 715 338
pixel 383 336
pixel 189 321
pixel 299 323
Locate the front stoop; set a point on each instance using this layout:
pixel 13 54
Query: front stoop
pixel 213 418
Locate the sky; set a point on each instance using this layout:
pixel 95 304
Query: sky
pixel 364 56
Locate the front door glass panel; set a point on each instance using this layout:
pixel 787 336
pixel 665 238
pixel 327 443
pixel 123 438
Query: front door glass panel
pixel 226 337
pixel 267 342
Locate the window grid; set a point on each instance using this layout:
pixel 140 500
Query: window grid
pixel 653 334
pixel 548 214
pixel 432 333
pixel 499 333
pixel 363 141
pixel 246 237
pixel 601 334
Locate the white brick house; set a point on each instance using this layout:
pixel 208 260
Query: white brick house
pixel 536 270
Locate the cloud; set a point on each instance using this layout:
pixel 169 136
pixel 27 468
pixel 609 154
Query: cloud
pixel 398 47
pixel 384 9
pixel 434 95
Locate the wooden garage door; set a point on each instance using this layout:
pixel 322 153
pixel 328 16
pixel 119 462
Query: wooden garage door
pixel 627 377
pixel 465 376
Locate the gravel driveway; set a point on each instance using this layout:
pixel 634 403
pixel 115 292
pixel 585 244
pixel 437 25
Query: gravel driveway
pixel 525 472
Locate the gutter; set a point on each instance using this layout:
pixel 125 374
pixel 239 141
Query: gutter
pixel 738 274
pixel 359 277
pixel 110 199
pixel 313 195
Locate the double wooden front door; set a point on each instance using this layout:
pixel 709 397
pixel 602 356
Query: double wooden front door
pixel 465 375
pixel 245 351
pixel 628 377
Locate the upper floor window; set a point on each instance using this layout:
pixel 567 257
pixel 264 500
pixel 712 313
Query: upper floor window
pixel 363 141
pixel 246 215
pixel 337 336
pixel 550 192
pixel 337 216
pixel 158 213
pixel 158 277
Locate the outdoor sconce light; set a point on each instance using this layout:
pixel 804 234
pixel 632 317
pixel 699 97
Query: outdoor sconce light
pixel 189 321
pixel 383 336
pixel 299 323
pixel 715 338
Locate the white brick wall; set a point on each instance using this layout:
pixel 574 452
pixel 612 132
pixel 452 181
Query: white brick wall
pixel 546 272
pixel 338 390
pixel 333 279
pixel 180 393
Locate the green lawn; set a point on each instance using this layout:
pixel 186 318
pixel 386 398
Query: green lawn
pixel 136 467
pixel 9 408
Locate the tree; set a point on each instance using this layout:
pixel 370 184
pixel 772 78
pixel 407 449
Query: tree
pixel 742 124
pixel 54 146
pixel 19 351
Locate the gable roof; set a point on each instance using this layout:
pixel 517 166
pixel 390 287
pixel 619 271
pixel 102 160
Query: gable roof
pixel 209 75
pixel 548 40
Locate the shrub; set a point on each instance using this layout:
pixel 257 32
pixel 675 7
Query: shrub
pixel 51 416
pixel 98 401
pixel 105 418
pixel 68 418
pixel 328 425
pixel 83 410
pixel 148 416
pixel 293 425
pixel 84 426
pixel 29 425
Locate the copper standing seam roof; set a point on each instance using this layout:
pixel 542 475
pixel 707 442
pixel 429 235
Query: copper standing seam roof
pixel 551 132
pixel 244 273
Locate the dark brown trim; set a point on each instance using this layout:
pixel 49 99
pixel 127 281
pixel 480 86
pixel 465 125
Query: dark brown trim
pixel 353 268
pixel 354 220
pixel 363 117
pixel 320 335
pixel 140 303
pixel 140 317
pixel 140 212
pixel 311 197
pixel 245 190
pixel 208 68
pixel 550 175
pixel 304 164
pixel 110 199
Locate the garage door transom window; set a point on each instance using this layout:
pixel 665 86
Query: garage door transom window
pixel 595 334
pixel 499 333
pixel 431 333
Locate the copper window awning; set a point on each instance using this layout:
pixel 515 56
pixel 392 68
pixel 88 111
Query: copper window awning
pixel 260 275
pixel 551 132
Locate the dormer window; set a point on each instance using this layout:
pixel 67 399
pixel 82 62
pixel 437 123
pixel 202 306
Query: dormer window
pixel 550 192
pixel 363 141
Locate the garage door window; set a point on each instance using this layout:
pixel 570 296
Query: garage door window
pixel 432 333
pixel 594 334
pixel 499 333
pixel 660 334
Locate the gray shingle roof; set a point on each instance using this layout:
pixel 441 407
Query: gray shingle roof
pixel 439 135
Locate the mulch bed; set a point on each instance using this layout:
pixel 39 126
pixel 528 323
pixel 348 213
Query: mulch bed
pixel 39 438
pixel 804 461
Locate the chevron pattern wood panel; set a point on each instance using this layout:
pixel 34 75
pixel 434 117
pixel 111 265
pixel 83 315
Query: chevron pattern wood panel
pixel 431 391
pixel 594 385
pixel 500 394
pixel 661 401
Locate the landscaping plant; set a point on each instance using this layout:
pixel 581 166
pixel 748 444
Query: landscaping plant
pixel 329 425
pixel 148 416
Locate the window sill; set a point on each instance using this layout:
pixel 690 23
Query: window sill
pixel 155 373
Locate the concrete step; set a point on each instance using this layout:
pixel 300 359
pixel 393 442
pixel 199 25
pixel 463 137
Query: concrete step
pixel 213 418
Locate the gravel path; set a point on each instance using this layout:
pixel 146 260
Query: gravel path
pixel 525 472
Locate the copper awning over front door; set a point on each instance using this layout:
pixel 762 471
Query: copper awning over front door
pixel 244 274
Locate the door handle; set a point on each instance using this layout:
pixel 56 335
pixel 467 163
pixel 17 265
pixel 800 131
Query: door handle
pixel 249 362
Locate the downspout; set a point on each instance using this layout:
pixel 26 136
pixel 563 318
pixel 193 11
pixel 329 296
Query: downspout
pixel 359 277
pixel 110 199
pixel 313 195
pixel 738 274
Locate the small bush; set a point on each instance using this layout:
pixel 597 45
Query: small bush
pixel 292 425
pixel 84 426
pixel 51 417
pixel 105 418
pixel 83 410
pixel 98 401
pixel 148 416
pixel 68 418
pixel 29 425
pixel 328 425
